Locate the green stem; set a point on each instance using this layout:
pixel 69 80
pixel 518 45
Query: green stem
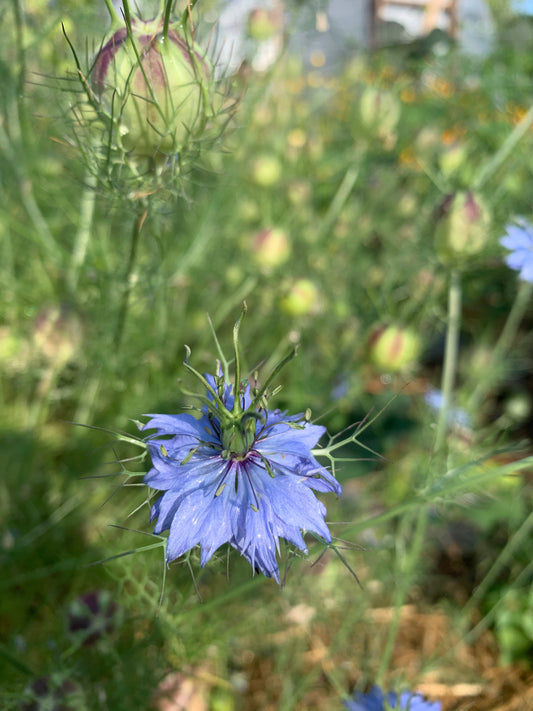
pixel 450 358
pixel 340 198
pixel 504 151
pixel 27 196
pixel 506 555
pixel 127 14
pixel 237 409
pixel 21 72
pixel 88 403
pixel 187 12
pixel 166 21
pixel 503 345
pixel 129 277
pixel 83 234
pixel 115 19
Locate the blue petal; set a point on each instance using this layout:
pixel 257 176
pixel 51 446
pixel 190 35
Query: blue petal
pixel 170 474
pixel 526 273
pixel 200 519
pixel 372 701
pixel 295 505
pixel 176 424
pixel 284 438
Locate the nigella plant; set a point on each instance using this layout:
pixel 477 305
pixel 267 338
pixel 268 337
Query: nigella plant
pixel 240 473
pixel 377 700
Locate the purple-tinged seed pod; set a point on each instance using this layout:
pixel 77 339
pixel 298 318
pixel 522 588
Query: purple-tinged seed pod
pixel 157 88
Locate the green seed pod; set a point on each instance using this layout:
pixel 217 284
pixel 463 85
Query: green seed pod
pixel 394 348
pixel 302 298
pixel 157 88
pixel 462 229
pixel 271 247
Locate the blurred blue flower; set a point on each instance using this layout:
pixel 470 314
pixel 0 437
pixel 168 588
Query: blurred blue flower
pixel 245 479
pixel 518 239
pixel 376 700
pixel 456 415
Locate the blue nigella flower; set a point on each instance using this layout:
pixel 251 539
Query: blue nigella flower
pixel 456 415
pixel 519 240
pixel 240 474
pixel 376 700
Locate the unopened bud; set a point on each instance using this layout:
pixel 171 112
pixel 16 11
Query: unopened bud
pixel 379 111
pixel 157 88
pixel 394 348
pixel 271 247
pixel 301 299
pixel 462 228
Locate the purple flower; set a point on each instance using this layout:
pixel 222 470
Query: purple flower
pixel 240 474
pixel 519 240
pixel 91 616
pixel 376 700
pixel 54 692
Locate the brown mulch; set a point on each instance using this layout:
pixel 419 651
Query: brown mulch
pixel 464 677
pixel 484 686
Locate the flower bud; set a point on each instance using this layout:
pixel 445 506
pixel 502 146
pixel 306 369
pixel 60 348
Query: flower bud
pixel 462 230
pixel 158 88
pixel 301 299
pixel 379 112
pixel 271 247
pixel 394 348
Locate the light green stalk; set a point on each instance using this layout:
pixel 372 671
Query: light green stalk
pixel 450 359
pixel 83 235
pixel 503 345
pixel 129 277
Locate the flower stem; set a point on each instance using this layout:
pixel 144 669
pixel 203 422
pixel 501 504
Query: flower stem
pixel 115 19
pixel 450 357
pixel 83 234
pixel 129 278
pixel 503 345
pixel 17 163
pixel 237 409
pixel 504 151
pixel 166 21
pixel 506 555
pixel 341 196
pixel 188 11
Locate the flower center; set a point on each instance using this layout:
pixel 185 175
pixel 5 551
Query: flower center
pixel 238 437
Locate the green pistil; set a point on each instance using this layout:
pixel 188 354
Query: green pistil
pixel 238 437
